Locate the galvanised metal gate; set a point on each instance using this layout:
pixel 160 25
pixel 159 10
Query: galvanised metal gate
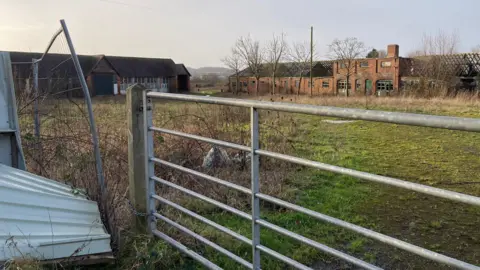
pixel 443 122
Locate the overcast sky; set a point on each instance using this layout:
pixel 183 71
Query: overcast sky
pixel 200 32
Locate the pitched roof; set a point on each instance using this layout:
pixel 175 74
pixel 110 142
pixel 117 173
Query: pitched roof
pixel 143 67
pixel 291 69
pixel 62 65
pixel 182 70
pixel 52 64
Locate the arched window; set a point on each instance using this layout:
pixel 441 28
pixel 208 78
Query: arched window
pixel 358 85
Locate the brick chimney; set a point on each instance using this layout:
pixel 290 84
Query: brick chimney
pixel 392 50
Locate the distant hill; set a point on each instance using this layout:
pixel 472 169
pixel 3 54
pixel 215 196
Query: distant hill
pixel 220 71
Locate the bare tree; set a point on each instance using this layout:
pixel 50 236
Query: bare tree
pixel 276 51
pixel 442 43
pixel 299 55
pixel 345 52
pixel 235 62
pixel 253 57
pixel 476 49
pixel 432 64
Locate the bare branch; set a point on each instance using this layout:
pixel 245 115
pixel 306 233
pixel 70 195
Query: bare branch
pixel 275 52
pixel 345 52
pixel 236 63
pixel 253 56
pixel 299 55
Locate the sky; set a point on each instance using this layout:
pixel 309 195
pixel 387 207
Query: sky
pixel 200 33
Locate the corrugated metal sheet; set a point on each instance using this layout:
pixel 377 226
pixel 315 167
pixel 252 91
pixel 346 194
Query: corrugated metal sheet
pixel 10 144
pixel 43 219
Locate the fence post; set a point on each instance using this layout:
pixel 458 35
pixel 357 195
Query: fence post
pixel 149 165
pixel 138 155
pixel 36 96
pixel 255 188
pixel 88 102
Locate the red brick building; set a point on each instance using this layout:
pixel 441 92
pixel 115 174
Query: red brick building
pixel 367 76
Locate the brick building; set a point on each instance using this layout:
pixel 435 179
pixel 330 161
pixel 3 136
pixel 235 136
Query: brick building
pixel 367 76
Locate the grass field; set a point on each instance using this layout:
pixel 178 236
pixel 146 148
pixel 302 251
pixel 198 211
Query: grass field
pixel 440 158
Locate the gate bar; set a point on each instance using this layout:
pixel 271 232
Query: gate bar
pixel 442 193
pixel 203 139
pixel 372 234
pixel 317 245
pixel 424 120
pixel 203 198
pixel 433 191
pixel 204 240
pixel 202 175
pixel 186 250
pixel 244 239
pixel 204 220
pixel 255 186
pixel 283 258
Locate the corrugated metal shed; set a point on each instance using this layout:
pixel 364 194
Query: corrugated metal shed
pixel 43 219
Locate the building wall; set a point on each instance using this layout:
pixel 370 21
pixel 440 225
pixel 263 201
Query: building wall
pixel 285 85
pixel 373 69
pixel 374 72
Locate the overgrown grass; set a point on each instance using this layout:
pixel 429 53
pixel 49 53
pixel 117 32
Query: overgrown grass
pixel 441 158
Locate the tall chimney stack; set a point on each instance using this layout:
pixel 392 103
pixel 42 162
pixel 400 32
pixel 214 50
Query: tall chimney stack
pixel 393 50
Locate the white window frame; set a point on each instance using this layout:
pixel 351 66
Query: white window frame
pixel 386 64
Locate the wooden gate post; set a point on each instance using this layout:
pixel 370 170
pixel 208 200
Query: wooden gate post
pixel 136 156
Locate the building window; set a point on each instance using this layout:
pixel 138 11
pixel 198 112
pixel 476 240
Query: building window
pixel 384 85
pixel 325 84
pixel 358 85
pixel 386 64
pixel 297 84
pixel 368 87
pixel 245 84
pixel 364 64
pixel 342 84
pixel 311 83
pixel 234 84
pixel 343 65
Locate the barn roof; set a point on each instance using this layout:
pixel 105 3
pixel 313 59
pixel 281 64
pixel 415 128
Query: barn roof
pixel 61 65
pixel 291 69
pixel 52 64
pixel 182 70
pixel 143 67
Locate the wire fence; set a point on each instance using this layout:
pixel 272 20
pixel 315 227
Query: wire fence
pixel 59 135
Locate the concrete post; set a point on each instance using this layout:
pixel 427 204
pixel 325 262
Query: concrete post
pixel 137 155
